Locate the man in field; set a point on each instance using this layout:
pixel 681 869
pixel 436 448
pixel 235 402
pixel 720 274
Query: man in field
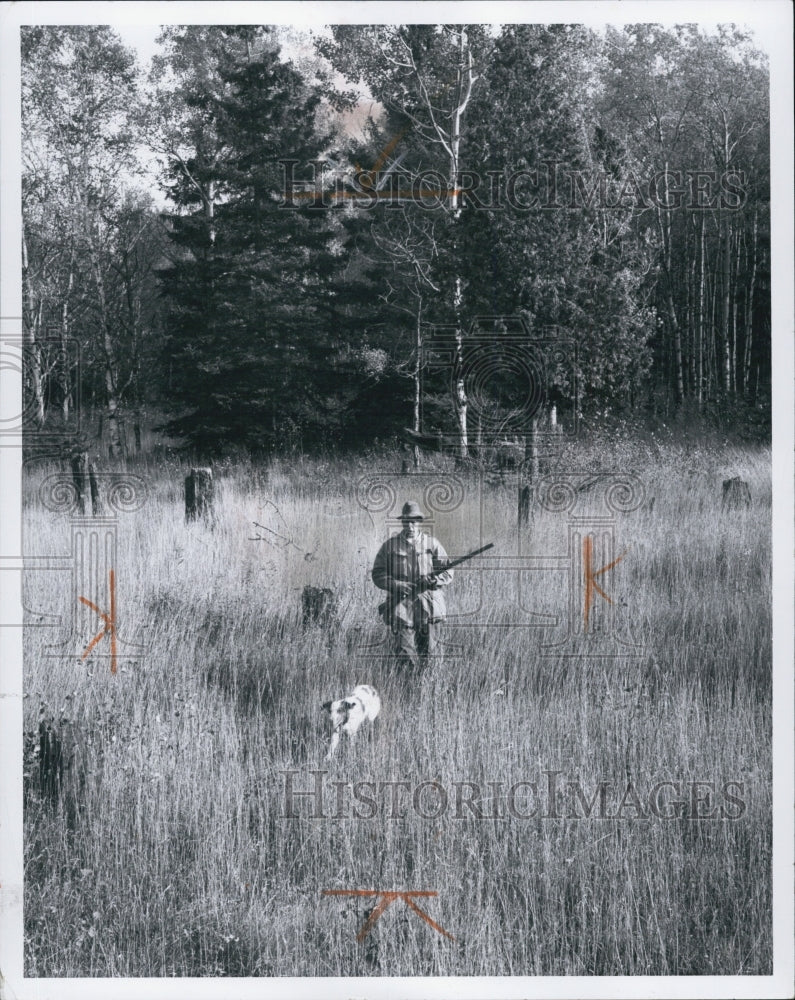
pixel 410 568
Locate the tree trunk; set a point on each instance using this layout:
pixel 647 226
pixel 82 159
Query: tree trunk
pixel 531 450
pixel 665 235
pixel 464 79
pixel 209 209
pixel 30 325
pixel 417 381
pixel 64 369
pixel 523 512
pixel 199 494
pixel 726 302
pixel 678 370
pixel 713 340
pixel 691 314
pixel 114 437
pixel 749 314
pixel 93 482
pixel 459 395
pixel 740 243
pixel 111 398
pixel 701 316
pixel 79 463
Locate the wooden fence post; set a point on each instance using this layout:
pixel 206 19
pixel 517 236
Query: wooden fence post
pixel 86 482
pixel 79 463
pixel 531 456
pixel 524 505
pixel 199 494
pixel 93 485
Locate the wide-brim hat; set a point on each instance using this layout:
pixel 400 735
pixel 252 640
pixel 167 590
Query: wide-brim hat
pixel 411 512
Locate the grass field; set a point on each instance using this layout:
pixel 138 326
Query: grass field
pixel 167 851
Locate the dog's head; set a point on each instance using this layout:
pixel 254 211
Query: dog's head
pixel 338 710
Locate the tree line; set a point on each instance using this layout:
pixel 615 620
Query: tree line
pixel 604 190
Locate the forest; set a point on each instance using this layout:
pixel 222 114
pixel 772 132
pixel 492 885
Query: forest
pixel 248 245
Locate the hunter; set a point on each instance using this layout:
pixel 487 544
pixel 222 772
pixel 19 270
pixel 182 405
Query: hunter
pixel 410 567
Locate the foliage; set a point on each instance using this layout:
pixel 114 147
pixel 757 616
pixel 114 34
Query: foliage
pixel 90 239
pixel 260 330
pixel 246 329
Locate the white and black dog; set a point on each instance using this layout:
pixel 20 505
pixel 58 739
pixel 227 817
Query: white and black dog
pixel 348 714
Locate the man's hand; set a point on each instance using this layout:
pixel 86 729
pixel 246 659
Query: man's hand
pixel 429 582
pixel 400 588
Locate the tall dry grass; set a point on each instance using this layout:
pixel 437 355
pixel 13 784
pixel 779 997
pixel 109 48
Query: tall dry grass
pixel 167 851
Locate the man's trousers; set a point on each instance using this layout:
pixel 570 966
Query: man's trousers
pixel 415 645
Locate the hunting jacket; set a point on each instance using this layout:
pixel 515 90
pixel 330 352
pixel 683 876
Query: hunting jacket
pixel 399 559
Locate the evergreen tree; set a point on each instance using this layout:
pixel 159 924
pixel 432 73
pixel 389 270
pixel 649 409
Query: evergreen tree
pixel 545 253
pixel 249 287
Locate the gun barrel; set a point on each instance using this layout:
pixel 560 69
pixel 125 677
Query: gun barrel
pixel 452 563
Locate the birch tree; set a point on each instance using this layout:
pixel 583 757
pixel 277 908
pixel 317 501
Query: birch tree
pixel 424 76
pixel 78 96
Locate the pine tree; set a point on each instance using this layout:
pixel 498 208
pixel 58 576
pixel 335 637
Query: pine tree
pixel 545 254
pixel 248 290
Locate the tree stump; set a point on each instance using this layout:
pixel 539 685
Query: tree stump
pixel 199 494
pixel 736 493
pixel 319 606
pixel 524 505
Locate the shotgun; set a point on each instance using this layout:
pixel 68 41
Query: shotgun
pixel 385 609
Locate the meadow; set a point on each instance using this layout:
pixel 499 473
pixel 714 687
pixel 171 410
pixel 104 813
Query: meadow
pixel 167 848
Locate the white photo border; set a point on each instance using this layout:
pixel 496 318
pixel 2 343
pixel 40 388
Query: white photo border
pixel 772 22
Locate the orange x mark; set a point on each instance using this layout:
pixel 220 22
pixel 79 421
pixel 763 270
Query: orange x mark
pixel 386 900
pixel 591 586
pixel 368 178
pixel 109 621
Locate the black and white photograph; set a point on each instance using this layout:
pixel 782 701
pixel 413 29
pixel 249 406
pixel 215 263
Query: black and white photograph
pixel 396 442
